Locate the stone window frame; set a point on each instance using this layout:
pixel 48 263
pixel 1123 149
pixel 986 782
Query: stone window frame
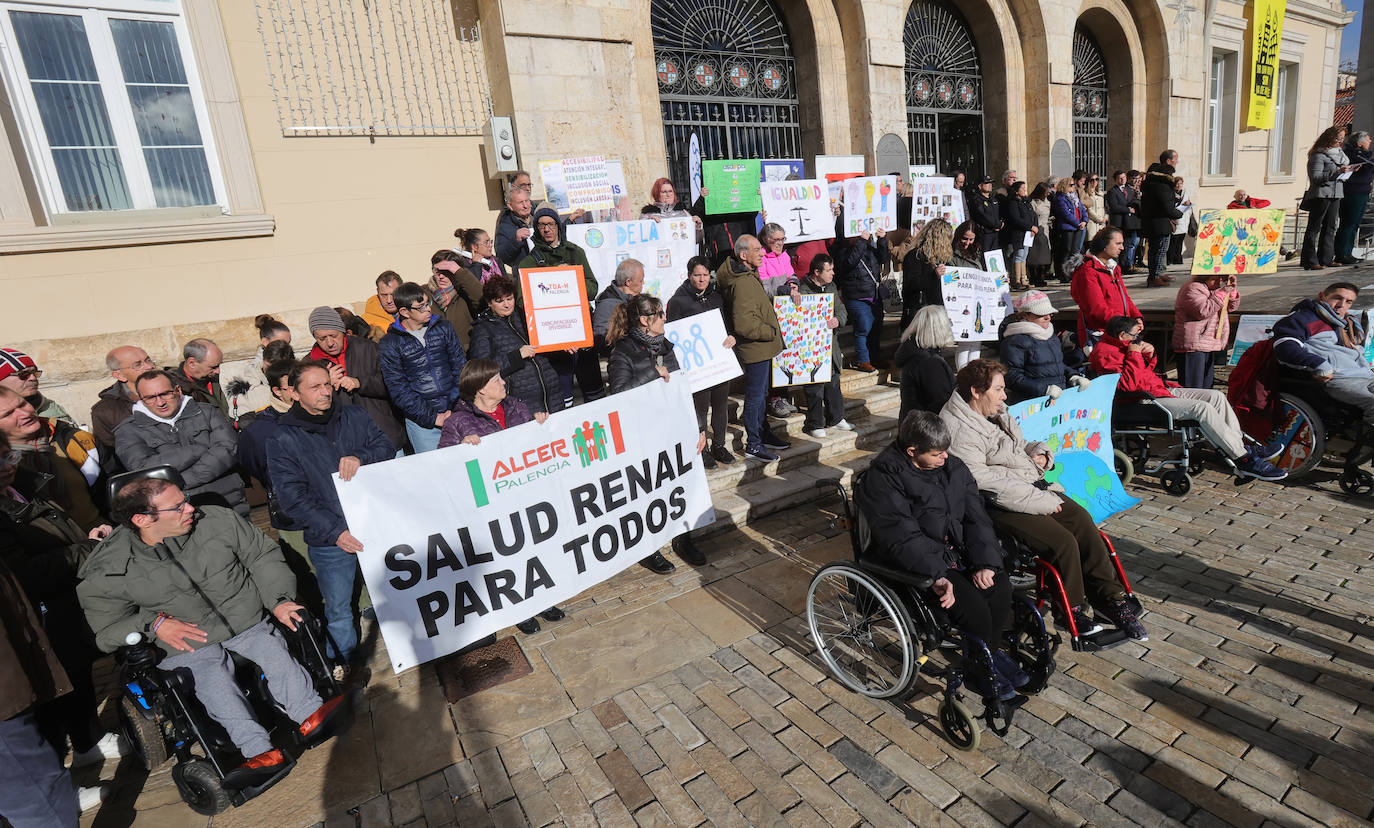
pixel 1290 58
pixel 25 226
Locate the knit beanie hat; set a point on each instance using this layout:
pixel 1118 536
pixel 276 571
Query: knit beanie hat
pixel 12 362
pixel 325 318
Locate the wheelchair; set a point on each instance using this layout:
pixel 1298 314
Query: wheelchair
pixel 1306 419
pixel 875 631
pixel 1134 425
pixel 161 718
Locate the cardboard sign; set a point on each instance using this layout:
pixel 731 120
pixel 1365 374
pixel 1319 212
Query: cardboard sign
pixel 801 207
pixel 1252 328
pixel 699 342
pixel 994 261
pixel 976 301
pixel 870 204
pixel 577 183
pixel 557 312
pixel 1078 429
pixel 806 338
pixel 464 541
pixel 1237 241
pixel 662 246
pixel 731 186
pixel 837 168
pixel 778 169
pixel 935 197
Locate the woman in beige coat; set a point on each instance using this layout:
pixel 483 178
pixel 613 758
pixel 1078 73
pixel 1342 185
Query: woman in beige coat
pixel 1094 200
pixel 1012 472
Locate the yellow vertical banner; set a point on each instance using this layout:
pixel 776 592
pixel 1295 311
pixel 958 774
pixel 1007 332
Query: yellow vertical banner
pixel 1267 32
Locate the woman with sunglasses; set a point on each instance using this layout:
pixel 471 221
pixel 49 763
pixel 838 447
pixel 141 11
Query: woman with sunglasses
pixel 477 252
pixel 1094 200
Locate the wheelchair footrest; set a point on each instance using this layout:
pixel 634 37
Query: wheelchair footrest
pixel 249 782
pixel 1109 637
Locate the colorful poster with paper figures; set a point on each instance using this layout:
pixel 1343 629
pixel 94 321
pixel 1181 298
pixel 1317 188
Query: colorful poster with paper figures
pixel 663 247
pixel 780 169
pixel 1252 328
pixel 935 197
pixel 731 186
pixel 977 301
pixel 870 204
pixel 1238 241
pixel 577 183
pixel 700 345
pixel 694 167
pixel 1078 429
pixel 801 207
pixel 806 337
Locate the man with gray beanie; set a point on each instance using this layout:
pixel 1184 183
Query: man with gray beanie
pixel 628 281
pixel 355 370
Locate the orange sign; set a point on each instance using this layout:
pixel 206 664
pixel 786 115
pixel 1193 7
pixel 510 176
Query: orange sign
pixel 557 312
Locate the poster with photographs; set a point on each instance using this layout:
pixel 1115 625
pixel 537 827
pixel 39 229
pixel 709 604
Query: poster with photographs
pixel 935 197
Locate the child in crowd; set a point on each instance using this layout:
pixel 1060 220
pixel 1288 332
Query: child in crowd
pixel 824 402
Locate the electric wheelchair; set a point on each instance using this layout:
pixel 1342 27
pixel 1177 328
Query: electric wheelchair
pixel 875 626
pixel 161 718
pixel 1306 418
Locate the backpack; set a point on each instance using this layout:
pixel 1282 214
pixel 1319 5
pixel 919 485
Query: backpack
pixel 1253 390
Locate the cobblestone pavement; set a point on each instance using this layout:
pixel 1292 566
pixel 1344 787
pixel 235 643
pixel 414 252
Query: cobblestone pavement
pixel 697 699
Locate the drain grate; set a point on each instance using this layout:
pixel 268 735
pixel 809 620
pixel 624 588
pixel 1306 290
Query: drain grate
pixel 482 669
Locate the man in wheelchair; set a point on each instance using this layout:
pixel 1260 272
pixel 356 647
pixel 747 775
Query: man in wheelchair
pixel 1319 338
pixel 925 515
pixel 201 582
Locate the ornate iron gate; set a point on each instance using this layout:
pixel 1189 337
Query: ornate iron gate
pixel 944 89
pixel 1089 104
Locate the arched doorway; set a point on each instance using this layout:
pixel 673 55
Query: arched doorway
pixel 1090 107
pixel 944 89
pixel 725 72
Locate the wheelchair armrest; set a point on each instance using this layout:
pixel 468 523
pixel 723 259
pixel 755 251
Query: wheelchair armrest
pixel 901 576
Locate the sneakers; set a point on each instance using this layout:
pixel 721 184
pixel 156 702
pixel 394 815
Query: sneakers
pixel 688 551
pixel 88 798
pixel 761 454
pixel 1085 624
pixel 723 455
pixel 844 425
pixel 818 433
pixel 1124 618
pixel 774 442
pixel 110 746
pixel 1253 465
pixel 1270 451
pixel 707 461
pixel 778 407
pixel 553 614
pixel 657 563
pixel 319 716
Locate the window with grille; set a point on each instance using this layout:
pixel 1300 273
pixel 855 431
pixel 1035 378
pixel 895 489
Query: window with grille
pixel 1089 104
pixel 944 89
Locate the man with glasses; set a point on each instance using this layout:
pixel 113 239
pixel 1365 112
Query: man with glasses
pixel 552 250
pixel 420 358
pixel 169 428
pixel 19 372
pixel 628 281
pixel 116 403
pixel 199 583
pixel 1123 203
pixel 57 450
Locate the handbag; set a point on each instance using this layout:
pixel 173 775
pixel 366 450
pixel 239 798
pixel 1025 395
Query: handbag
pixel 1309 203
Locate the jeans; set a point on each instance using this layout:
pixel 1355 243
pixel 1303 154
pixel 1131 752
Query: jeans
pixel 824 402
pixel 1319 242
pixel 1019 254
pixel 717 400
pixel 756 375
pixel 336 570
pixel 421 437
pixel 1159 255
pixel 1128 243
pixel 1196 369
pixel 867 319
pixel 35 790
pixel 1352 210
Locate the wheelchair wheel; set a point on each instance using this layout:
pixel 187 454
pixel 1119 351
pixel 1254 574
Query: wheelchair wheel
pixel 1138 449
pixel 1177 482
pixel 143 734
pixel 200 787
pixel 1356 481
pixel 1304 437
pixel 959 725
pixel 862 631
pixel 1125 469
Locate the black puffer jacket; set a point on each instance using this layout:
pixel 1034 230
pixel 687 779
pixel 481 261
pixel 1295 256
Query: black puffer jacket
pixel 200 443
pixel 533 380
pixel 859 267
pixel 927 378
pixel 687 302
pixel 633 363
pixel 1018 217
pixel 927 521
pixel 1157 210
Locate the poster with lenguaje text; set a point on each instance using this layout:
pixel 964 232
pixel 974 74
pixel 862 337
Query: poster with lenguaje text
pixel 464 541
pixel 976 302
pixel 699 342
pixel 870 204
pixel 557 313
pixel 1238 241
pixel 801 207
pixel 662 246
pixel 731 186
pixel 806 338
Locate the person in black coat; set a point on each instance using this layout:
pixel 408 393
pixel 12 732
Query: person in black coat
pixel 698 294
pixel 984 213
pixel 1158 213
pixel 1355 195
pixel 1018 219
pixel 499 333
pixel 356 371
pixel 858 270
pixel 926 515
pixel 1123 205
pixel 924 266
pixel 514 226
pixel 927 378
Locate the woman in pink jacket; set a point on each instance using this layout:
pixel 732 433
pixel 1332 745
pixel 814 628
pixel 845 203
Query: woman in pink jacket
pixel 1202 327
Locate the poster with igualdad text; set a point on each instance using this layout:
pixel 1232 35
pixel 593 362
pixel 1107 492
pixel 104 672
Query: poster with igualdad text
pixel 464 541
pixel 801 207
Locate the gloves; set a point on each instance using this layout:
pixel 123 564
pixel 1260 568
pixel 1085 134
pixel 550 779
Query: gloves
pixel 1054 391
pixel 1081 381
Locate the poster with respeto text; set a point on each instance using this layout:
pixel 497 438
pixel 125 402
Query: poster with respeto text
pixel 1237 241
pixel 577 183
pixel 731 186
pixel 870 204
pixel 701 353
pixel 801 207
pixel 976 302
pixel 662 246
pixel 935 197
pixel 806 338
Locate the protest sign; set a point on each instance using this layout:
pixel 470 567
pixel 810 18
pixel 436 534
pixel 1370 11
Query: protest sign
pixel 837 168
pixel 994 262
pixel 662 246
pixel 870 204
pixel 620 194
pixel 557 313
pixel 922 171
pixel 801 207
pixel 464 541
pixel 976 302
pixel 806 339
pixel 1252 328
pixel 577 183
pixel 1237 241
pixel 778 169
pixel 935 197
pixel 694 167
pixel 731 186
pixel 701 352
pixel 1078 429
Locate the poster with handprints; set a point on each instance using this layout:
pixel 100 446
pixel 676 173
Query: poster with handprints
pixel 1238 241
pixel 1078 429
pixel 976 302
pixel 870 204
pixel 700 345
pixel 806 339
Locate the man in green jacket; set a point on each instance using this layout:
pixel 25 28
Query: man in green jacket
pixel 200 583
pixel 750 318
pixel 552 250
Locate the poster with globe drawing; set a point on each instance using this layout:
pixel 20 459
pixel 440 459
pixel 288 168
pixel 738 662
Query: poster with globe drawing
pixel 977 301
pixel 870 204
pixel 806 339
pixel 663 247
pixel 1078 429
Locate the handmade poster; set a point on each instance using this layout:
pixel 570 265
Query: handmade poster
pixel 778 169
pixel 976 302
pixel 694 167
pixel 806 339
pixel 1266 33
pixel 663 247
pixel 837 168
pixel 870 204
pixel 994 262
pixel 1078 429
pixel 922 171
pixel 935 197
pixel 464 541
pixel 700 345
pixel 577 183
pixel 620 194
pixel 731 186
pixel 556 310
pixel 1252 328
pixel 1238 241
pixel 801 207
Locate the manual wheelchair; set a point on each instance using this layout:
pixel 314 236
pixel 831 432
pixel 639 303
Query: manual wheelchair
pixel 875 628
pixel 1306 418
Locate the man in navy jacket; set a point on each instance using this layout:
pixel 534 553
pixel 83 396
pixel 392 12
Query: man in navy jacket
pixel 421 357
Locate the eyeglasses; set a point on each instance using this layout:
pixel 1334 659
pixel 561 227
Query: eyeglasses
pixel 11 458
pixel 418 308
pixel 1094 178
pixel 547 225
pixel 656 315
pixel 177 508
pixel 28 373
pixel 165 396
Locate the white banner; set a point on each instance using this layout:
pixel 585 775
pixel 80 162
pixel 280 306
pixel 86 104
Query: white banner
pixel 801 207
pixel 935 197
pixel 870 204
pixel 464 541
pixel 806 338
pixel 694 168
pixel 700 345
pixel 662 246
pixel 976 301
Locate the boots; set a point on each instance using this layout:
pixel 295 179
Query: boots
pixel 1019 281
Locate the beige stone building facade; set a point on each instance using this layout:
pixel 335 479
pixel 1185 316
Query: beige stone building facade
pixel 169 168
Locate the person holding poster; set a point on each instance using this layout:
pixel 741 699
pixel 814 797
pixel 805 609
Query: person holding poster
pixel 824 402
pixel 699 295
pixel 924 266
pixel 753 322
pixel 1022 500
pixel 858 271
pixel 1202 326
pixel 499 333
pixel 666 205
pixel 552 250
